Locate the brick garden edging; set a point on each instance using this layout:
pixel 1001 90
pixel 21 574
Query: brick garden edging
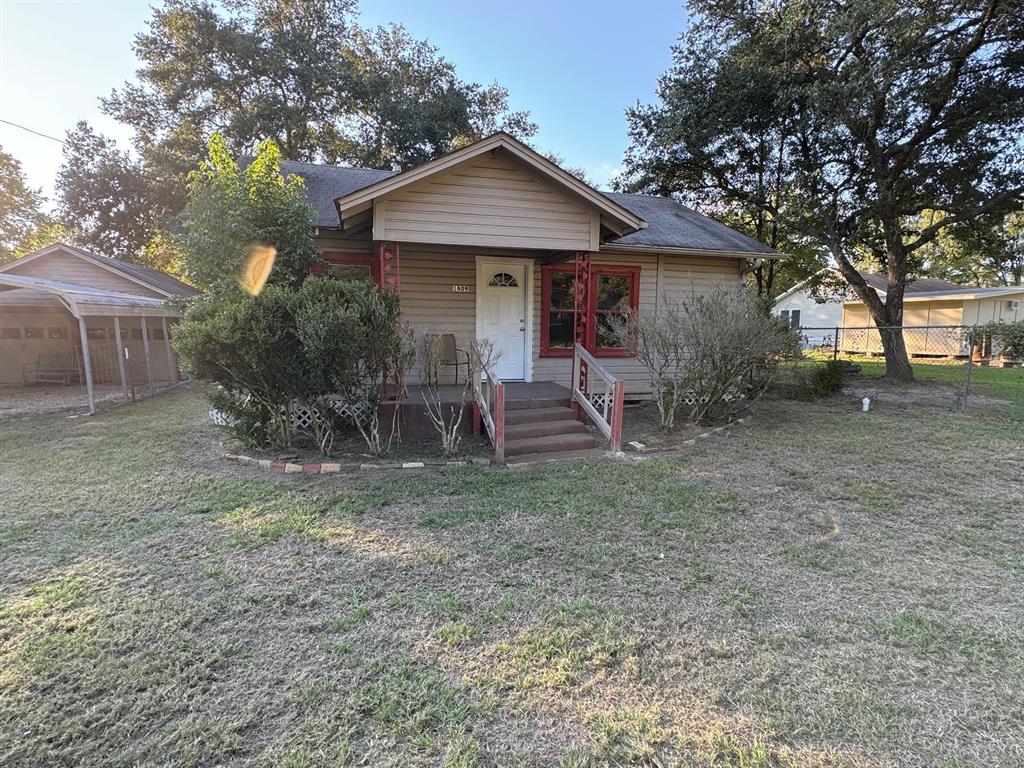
pixel 644 449
pixel 329 468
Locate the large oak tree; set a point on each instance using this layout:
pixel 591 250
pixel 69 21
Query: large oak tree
pixel 879 110
pixel 302 73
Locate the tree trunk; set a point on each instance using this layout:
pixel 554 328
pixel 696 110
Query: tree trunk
pixel 897 362
pixel 888 315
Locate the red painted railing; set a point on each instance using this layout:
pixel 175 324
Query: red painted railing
pixel 608 418
pixel 489 395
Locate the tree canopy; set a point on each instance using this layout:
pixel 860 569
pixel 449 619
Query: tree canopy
pixel 843 121
pixel 23 224
pixel 299 72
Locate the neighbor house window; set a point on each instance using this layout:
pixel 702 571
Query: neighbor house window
pixel 35 333
pixel 10 333
pixel 56 333
pixel 95 333
pixel 791 316
pixel 345 266
pixel 613 292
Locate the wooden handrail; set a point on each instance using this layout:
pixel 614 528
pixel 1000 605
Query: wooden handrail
pixel 489 393
pixel 609 418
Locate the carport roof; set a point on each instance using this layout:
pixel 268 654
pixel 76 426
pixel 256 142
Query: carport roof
pixel 83 300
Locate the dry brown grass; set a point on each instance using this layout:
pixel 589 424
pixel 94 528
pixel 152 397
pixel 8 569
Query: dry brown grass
pixel 821 588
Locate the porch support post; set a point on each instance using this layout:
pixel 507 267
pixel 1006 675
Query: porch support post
pixel 387 264
pixel 618 404
pixel 87 360
pixel 581 298
pixel 145 351
pixel 119 351
pixel 581 331
pixel 172 369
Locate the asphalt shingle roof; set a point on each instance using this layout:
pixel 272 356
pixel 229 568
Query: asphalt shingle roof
pixel 880 282
pixel 326 183
pixel 669 223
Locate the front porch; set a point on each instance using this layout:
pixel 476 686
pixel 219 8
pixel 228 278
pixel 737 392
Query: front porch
pixel 525 421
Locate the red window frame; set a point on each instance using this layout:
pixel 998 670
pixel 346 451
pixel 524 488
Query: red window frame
pixel 590 343
pixel 633 273
pixel 346 259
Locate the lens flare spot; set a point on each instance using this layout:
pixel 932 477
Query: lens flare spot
pixel 256 269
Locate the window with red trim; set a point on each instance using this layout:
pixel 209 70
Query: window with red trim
pixel 345 266
pixel 613 291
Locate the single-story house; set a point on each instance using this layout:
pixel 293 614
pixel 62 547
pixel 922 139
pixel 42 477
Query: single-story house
pixel 495 241
pixel 934 311
pixel 805 307
pixel 62 310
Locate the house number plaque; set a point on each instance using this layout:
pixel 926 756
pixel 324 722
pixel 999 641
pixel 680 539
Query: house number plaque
pixel 462 289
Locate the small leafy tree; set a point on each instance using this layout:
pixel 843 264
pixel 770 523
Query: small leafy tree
pixel 353 339
pixel 231 210
pixel 448 419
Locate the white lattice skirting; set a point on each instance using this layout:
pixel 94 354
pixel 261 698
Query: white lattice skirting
pixel 302 417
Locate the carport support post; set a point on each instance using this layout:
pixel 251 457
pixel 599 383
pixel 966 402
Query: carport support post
pixel 119 350
pixel 172 370
pixel 88 364
pixel 145 350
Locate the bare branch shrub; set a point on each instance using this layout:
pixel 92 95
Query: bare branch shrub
pixel 710 355
pixel 448 419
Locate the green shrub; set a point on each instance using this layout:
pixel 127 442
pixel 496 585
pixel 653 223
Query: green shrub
pixel 249 346
pixel 356 347
pixel 1009 337
pixel 248 421
pixel 828 378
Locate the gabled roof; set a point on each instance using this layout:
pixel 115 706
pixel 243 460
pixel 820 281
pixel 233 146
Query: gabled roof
pixel 153 279
pixel 358 200
pixel 670 225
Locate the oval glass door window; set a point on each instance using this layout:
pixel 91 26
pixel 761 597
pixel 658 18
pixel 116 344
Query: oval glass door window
pixel 503 280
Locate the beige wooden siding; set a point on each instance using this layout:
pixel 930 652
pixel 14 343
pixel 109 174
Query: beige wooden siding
pixel 981 311
pixel 663 277
pixel 72 269
pixel 486 201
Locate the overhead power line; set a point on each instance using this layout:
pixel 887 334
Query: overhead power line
pixel 37 133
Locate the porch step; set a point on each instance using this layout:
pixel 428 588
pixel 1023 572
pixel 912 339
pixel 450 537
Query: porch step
pixel 534 458
pixel 543 428
pixel 535 403
pixel 548 443
pixel 530 415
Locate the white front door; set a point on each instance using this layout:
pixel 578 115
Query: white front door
pixel 501 313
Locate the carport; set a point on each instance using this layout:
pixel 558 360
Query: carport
pixel 133 318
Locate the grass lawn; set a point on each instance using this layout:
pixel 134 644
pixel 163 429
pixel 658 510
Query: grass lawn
pixel 820 588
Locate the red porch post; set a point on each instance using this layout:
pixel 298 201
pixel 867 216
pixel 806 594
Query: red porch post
pixel 581 331
pixel 387 265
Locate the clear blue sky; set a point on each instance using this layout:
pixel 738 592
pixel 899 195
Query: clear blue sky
pixel 575 66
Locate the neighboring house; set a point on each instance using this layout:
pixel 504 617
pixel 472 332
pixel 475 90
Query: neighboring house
pixel 939 306
pixel 495 241
pixel 60 300
pixel 800 308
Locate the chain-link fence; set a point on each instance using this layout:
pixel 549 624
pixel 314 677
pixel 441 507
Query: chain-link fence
pixel 943 353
